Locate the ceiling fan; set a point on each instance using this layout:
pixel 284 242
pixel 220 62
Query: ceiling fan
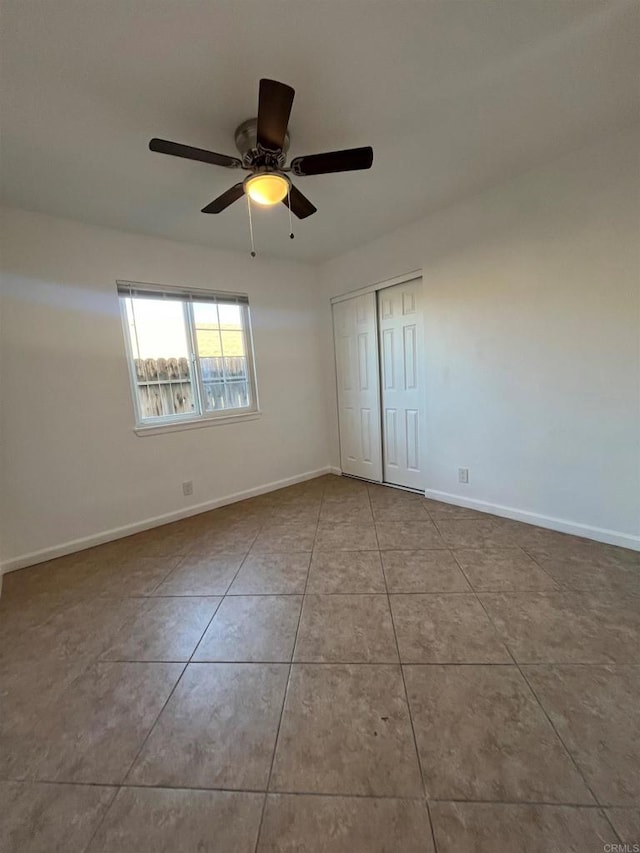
pixel 263 143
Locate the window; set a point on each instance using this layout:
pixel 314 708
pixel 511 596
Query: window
pixel 190 354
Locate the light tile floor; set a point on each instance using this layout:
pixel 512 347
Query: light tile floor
pixel 333 667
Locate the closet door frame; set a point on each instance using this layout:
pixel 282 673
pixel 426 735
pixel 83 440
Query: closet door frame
pixel 373 288
pixel 378 285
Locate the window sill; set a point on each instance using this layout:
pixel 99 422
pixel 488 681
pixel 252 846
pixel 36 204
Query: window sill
pixel 177 426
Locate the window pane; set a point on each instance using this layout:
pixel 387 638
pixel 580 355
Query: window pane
pixel 222 355
pixel 230 316
pixel 160 351
pixel 232 343
pixel 237 394
pixel 214 396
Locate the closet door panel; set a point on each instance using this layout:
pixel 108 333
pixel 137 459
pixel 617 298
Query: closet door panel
pixel 356 345
pixel 401 392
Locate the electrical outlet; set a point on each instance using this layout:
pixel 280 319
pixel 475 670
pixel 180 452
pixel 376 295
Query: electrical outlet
pixel 463 475
pixel 187 488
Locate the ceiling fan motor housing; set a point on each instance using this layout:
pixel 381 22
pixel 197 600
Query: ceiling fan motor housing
pixel 253 154
pixel 263 143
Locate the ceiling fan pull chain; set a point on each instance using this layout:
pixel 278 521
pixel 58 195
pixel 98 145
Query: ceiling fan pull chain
pixel 253 248
pixel 289 206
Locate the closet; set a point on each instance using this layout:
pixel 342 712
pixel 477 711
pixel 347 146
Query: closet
pixel 379 349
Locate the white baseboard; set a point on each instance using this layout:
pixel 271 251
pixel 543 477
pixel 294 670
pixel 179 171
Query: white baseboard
pixel 147 523
pixel 600 534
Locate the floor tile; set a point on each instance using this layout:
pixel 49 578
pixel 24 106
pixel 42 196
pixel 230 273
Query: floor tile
pixel 218 729
pixel 346 628
pixel 579 569
pixel 134 576
pixel 447 628
pixel 346 571
pixel 28 693
pixel 222 539
pixel 502 569
pixel 100 722
pixel 440 510
pixel 285 513
pixel 346 536
pixel 344 825
pixel 339 731
pixel 254 628
pixel 163 629
pixel 566 627
pixel 595 710
pixel 472 533
pixel 337 511
pixel 386 497
pixel 283 537
pixel 20 614
pixel 201 575
pixel 626 823
pixel 493 828
pixel 83 629
pixel 409 535
pixel 159 820
pixel 482 735
pixel 337 486
pixel 272 574
pixel 586 551
pixel 349 498
pixel 401 512
pixel 65 577
pixel 41 818
pixel 423 571
pixel 48 677
pixel 529 535
pixel 164 541
pixel 346 730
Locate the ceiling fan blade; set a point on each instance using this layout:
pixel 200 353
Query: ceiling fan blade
pixel 348 160
pixel 300 204
pixel 223 201
pixel 163 146
pixel 274 107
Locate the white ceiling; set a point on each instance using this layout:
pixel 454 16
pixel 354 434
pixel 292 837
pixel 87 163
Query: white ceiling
pixel 453 95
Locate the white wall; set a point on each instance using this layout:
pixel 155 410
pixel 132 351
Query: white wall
pixel 532 295
pixel 72 466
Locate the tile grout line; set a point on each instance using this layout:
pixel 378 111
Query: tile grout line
pixel 522 675
pixel 286 689
pixel 559 586
pixel 406 694
pixel 542 708
pixel 153 725
pixel 168 699
pixel 181 560
pixel 116 791
pixel 222 598
pixel 564 745
pixel 184 669
pixel 415 799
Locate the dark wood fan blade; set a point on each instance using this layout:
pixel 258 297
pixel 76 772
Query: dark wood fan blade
pixel 300 204
pixel 274 108
pixel 348 160
pixel 223 201
pixel 163 146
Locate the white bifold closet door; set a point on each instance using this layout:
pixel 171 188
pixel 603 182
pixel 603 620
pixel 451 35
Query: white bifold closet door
pixel 357 369
pixel 402 392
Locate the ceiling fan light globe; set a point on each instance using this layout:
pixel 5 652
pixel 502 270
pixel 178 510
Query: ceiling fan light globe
pixel 267 188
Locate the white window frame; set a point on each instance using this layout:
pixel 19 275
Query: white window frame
pixel 200 417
